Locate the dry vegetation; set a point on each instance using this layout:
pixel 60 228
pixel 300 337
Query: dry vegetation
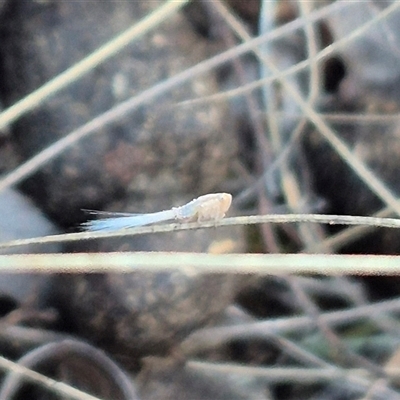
pixel 134 106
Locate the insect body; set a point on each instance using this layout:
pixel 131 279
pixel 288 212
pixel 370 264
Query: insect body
pixel 209 207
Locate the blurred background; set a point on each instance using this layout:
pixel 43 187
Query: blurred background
pixel 291 106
